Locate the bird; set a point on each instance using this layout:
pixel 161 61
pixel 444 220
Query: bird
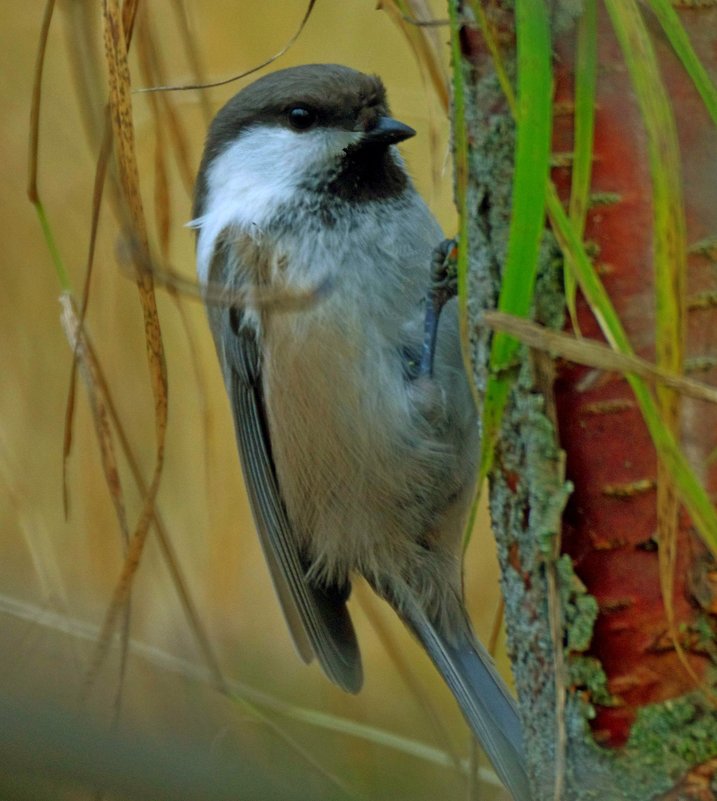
pixel 340 352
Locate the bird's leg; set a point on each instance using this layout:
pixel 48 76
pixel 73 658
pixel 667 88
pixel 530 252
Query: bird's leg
pixel 444 286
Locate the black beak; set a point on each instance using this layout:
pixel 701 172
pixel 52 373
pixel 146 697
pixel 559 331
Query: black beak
pixel 388 131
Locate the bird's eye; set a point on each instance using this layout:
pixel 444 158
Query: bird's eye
pixel 301 117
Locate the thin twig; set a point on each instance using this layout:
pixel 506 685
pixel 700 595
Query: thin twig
pixel 225 81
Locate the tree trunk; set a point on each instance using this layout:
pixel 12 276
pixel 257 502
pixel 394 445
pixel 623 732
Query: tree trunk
pixel 611 707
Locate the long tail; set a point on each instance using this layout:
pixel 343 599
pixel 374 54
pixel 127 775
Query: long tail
pixel 468 670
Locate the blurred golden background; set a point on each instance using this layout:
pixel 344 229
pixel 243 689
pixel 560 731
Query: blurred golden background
pixel 57 573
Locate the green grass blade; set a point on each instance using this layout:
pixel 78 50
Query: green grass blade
pixel 532 157
pixel 532 154
pixel 669 257
pixel 584 122
pixel 33 191
pixel 59 265
pixel 691 491
pixel 677 36
pixel 669 237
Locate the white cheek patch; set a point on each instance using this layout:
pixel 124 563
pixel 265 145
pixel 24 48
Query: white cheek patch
pixel 257 173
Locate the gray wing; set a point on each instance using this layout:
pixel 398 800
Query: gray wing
pixel 317 617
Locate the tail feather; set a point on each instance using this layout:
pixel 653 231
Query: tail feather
pixel 468 670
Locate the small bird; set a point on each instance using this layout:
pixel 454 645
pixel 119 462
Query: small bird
pixel 355 424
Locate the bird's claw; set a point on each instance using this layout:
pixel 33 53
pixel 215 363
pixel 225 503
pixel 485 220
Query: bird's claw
pixel 444 271
pixel 444 286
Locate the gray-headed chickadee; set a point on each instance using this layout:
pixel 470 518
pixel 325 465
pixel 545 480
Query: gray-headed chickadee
pixel 359 455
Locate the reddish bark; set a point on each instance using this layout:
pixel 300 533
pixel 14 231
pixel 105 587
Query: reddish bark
pixel 610 522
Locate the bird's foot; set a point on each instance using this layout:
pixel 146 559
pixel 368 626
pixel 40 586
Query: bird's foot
pixel 444 286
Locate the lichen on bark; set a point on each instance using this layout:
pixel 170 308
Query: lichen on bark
pixel 527 488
